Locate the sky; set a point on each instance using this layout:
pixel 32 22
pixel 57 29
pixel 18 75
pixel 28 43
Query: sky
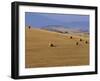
pixel 66 20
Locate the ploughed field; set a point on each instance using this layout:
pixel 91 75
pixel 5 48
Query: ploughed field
pixel 51 49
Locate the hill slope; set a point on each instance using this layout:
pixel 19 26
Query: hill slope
pixel 64 53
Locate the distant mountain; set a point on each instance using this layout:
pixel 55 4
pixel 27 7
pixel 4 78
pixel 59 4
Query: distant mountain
pixel 63 29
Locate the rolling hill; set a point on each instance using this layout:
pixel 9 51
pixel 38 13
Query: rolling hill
pixel 39 53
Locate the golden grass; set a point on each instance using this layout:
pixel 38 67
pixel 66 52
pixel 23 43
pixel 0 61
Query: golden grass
pixel 38 53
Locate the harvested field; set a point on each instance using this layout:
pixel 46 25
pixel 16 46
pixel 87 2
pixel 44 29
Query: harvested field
pixel 64 52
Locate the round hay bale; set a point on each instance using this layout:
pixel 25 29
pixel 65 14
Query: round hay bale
pixel 29 27
pixel 51 45
pixel 86 42
pixel 77 43
pixel 71 37
pixel 80 39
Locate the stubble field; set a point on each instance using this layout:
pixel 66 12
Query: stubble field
pixel 64 52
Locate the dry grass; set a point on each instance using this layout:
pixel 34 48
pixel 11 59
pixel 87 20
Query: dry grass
pixel 65 53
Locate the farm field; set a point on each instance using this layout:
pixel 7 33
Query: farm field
pixel 64 52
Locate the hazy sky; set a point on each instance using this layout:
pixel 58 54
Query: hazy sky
pixel 66 20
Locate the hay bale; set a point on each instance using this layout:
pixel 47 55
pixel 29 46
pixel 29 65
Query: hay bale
pixel 51 45
pixel 71 37
pixel 86 42
pixel 77 43
pixel 80 39
pixel 29 27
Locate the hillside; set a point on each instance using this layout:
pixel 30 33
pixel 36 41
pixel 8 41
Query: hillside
pixel 65 52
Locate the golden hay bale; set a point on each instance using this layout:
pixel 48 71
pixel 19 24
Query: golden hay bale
pixel 70 37
pixel 29 27
pixel 51 45
pixel 86 42
pixel 80 39
pixel 77 43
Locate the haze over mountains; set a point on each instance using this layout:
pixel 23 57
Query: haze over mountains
pixel 59 22
pixel 62 29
